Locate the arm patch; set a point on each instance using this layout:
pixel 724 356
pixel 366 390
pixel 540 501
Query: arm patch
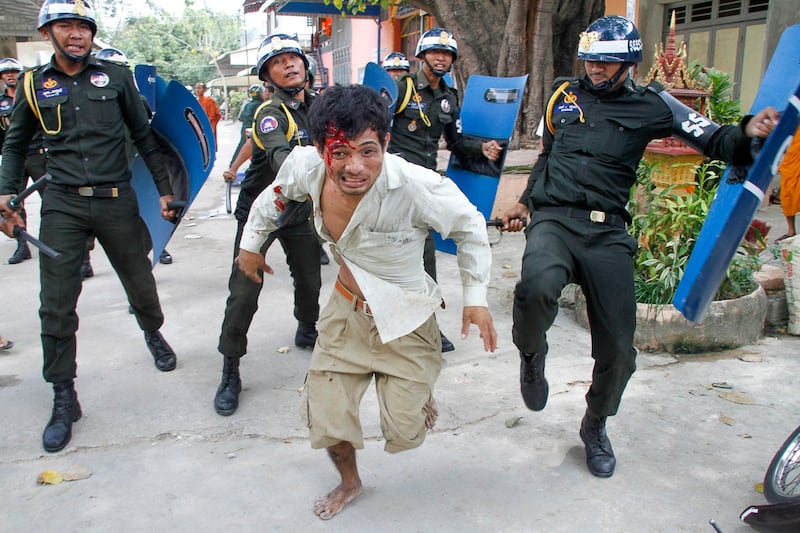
pixel 688 125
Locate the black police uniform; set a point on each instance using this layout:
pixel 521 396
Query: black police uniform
pixel 35 163
pixel 585 171
pixel 299 242
pixel 415 141
pixel 246 116
pixel 83 118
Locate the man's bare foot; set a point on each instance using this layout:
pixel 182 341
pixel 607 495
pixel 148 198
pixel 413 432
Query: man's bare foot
pixel 431 413
pixel 332 503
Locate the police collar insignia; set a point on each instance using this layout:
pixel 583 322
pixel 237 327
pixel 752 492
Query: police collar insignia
pixel 446 105
pixel 268 124
pixel 99 79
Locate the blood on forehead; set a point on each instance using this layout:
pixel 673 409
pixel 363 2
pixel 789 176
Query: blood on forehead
pixel 334 138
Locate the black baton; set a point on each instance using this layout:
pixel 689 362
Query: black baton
pixel 20 233
pixel 15 203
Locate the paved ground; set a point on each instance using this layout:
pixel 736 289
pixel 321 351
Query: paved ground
pixel 162 460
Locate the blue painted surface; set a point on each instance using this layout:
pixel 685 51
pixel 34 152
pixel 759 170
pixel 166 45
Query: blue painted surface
pixel 184 131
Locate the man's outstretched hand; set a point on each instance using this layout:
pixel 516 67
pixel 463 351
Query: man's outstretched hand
pixel 250 264
pixel 480 317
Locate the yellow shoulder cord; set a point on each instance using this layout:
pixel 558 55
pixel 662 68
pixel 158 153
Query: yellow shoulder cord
pixel 30 96
pixel 407 97
pixel 569 98
pixel 293 130
pixel 418 100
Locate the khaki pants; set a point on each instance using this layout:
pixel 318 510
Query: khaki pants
pixel 347 355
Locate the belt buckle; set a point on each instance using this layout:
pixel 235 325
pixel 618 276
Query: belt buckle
pixel 597 216
pixel 114 192
pixel 362 306
pixel 86 191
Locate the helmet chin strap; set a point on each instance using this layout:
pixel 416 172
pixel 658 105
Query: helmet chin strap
pixel 72 57
pixel 437 72
pixel 607 85
pixel 291 91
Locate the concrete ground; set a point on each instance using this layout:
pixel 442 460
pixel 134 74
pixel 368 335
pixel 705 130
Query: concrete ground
pixel 161 459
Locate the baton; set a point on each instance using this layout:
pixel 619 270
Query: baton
pixel 20 233
pixel 498 222
pixel 180 205
pixel 228 184
pixel 15 203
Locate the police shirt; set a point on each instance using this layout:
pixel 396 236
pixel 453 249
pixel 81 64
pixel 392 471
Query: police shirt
pixel 247 113
pixel 418 143
pixel 590 162
pixel 271 125
pixel 83 118
pixel 6 106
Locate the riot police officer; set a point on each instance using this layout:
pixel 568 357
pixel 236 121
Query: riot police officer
pixel 255 97
pixel 597 129
pixel 83 106
pixel 280 124
pixel 431 110
pixel 396 64
pixel 35 162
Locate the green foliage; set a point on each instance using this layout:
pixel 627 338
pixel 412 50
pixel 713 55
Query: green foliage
pixel 182 48
pixel 355 6
pixel 722 108
pixel 237 100
pixel 666 226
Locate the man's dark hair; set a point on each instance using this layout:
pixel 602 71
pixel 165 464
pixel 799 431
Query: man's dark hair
pixel 353 110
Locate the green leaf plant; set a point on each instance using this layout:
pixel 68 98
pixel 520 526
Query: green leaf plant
pixel 666 224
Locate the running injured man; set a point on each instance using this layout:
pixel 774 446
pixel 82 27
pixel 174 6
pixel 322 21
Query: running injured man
pixel 375 210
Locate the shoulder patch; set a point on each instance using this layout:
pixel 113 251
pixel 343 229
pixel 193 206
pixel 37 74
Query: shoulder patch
pixel 268 124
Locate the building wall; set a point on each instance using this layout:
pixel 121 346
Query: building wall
pixel 742 49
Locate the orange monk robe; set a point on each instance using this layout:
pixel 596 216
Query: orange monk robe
pixel 211 109
pixel 790 178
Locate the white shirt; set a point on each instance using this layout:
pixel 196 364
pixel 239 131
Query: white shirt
pixel 383 242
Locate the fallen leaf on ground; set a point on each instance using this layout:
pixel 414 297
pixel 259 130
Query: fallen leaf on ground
pixel 745 435
pixel 50 477
pixel 722 385
pixel 77 472
pixel 509 274
pixel 513 421
pixel 751 358
pixel 759 487
pixel 741 398
pixel 284 349
pixel 728 421
pixel 506 266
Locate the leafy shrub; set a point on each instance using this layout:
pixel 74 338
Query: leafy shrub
pixel 666 225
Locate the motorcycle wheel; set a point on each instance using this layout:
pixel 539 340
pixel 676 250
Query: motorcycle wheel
pixel 782 481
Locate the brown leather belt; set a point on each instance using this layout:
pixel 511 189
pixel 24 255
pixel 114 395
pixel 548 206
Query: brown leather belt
pixel 361 305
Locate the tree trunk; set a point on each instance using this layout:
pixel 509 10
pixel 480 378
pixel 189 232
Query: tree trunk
pixel 514 37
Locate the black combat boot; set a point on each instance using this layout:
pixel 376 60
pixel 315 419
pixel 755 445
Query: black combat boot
pixel 22 252
pixel 66 410
pixel 226 401
pixel 599 455
pixel 306 335
pixel 533 384
pixel 162 352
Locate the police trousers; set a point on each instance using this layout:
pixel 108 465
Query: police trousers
pixel 67 220
pixel 561 250
pixel 301 245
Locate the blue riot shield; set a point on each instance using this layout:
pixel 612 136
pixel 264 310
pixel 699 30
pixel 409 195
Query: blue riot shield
pixel 489 112
pixel 735 205
pixel 145 76
pixel 380 80
pixel 184 132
